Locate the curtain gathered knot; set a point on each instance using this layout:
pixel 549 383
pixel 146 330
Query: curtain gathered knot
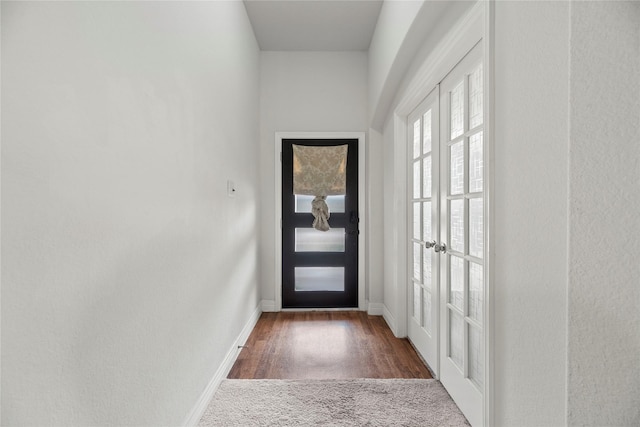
pixel 320 211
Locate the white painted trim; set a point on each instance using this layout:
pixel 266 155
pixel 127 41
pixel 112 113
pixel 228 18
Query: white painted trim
pixel 489 111
pixel 453 47
pixel 375 309
pixel 388 317
pixel 268 305
pixel 221 373
pixel 362 199
pixel 400 231
pixel 278 222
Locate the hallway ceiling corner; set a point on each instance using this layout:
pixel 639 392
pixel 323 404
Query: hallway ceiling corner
pixel 313 25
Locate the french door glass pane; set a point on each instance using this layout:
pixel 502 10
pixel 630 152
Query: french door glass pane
pixel 416 301
pixel 426 310
pixel 476 231
pixel 416 139
pixel 426 138
pixel 416 179
pixel 319 279
pixel 456 224
pixel 426 270
pixel 476 371
pixel 456 338
pixel 475 98
pixel 426 222
pixel 417 259
pixel 457 111
pixel 475 163
pixel 456 288
pixel 303 203
pixel 476 291
pixel 426 177
pixel 456 185
pixel 416 221
pixel 312 240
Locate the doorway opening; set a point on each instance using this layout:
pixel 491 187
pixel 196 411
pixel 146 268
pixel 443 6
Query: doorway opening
pixel 442 145
pixel 319 269
pixel 319 223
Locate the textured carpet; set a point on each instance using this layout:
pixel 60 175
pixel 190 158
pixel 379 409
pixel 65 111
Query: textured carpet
pixel 360 402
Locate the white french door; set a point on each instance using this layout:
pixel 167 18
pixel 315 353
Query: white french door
pixel 446 226
pixel 423 223
pixel 462 236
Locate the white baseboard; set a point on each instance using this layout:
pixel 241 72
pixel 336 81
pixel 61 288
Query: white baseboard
pixel 391 321
pixel 375 309
pixel 268 305
pixel 221 373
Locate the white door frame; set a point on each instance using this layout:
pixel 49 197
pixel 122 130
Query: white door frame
pixel 476 25
pixel 362 226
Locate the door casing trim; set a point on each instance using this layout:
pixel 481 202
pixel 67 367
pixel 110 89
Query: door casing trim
pixel 360 136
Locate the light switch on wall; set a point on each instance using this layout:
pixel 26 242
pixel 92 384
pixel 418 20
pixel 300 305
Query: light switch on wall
pixel 231 188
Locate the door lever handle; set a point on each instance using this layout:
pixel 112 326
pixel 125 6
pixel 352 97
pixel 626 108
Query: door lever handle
pixel 440 248
pixel 353 218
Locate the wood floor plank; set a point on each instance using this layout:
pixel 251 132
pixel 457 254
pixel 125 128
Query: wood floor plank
pixel 326 345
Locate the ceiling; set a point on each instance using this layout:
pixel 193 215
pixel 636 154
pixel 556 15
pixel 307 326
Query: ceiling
pixel 313 25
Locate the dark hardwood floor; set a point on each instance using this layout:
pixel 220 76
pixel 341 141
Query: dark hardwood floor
pixel 326 345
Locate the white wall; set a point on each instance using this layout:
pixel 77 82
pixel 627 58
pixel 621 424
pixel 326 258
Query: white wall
pixel 375 222
pixel 530 212
pixel 394 22
pixel 127 272
pixel 406 33
pixel 393 251
pixel 304 92
pixel 604 231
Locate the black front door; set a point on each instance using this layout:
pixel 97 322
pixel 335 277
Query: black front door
pixel 319 268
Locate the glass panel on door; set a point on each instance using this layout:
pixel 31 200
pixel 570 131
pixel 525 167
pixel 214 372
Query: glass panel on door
pixel 456 338
pixel 456 278
pixel 476 367
pixel 312 240
pixel 456 225
pixel 475 163
pixel 475 98
pixel 457 111
pixel 303 203
pixel 329 279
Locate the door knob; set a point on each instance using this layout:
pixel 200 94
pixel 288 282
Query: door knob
pixel 430 244
pixel 440 248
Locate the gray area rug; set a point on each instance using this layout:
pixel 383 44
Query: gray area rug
pixel 358 402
